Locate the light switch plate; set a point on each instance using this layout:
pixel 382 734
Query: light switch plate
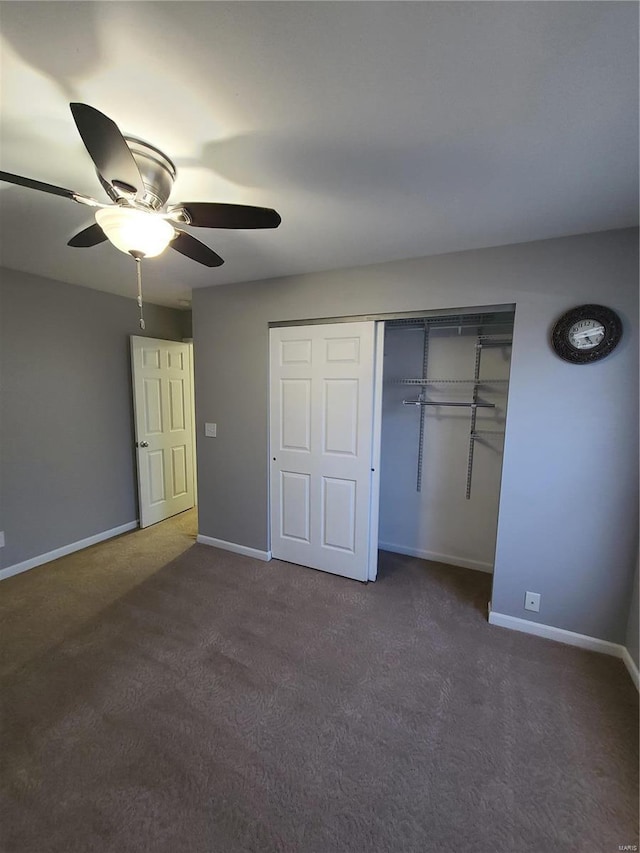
pixel 211 430
pixel 1 538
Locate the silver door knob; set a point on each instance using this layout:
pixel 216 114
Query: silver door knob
pixel 144 444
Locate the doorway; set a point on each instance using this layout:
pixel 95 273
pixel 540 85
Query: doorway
pixel 427 414
pixel 445 392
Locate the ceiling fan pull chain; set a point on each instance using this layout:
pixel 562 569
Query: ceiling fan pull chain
pixel 138 267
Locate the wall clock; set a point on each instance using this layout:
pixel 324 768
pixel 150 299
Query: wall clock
pixel 586 333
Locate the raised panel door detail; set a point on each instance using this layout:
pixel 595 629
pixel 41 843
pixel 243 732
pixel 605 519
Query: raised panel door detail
pixel 341 416
pixel 152 405
pixel 151 358
pixel 176 360
pixel 163 413
pixel 155 468
pixel 321 418
pixel 343 350
pixel 339 513
pixel 295 433
pixel 295 352
pixel 176 404
pixel 178 470
pixel 295 505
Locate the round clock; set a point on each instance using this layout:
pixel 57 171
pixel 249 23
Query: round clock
pixel 586 333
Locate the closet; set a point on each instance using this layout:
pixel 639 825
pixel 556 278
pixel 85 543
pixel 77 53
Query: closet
pixel 444 401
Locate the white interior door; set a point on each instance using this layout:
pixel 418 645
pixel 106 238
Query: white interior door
pixel 321 428
pixel 163 410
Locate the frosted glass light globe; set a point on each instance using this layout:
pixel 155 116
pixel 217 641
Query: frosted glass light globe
pixel 135 230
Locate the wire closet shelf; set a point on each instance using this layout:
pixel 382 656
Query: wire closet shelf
pixel 468 324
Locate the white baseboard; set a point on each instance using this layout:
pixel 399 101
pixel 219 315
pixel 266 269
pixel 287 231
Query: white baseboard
pixel 632 668
pixel 17 568
pixel 550 632
pixel 570 638
pixel 236 549
pixel 436 558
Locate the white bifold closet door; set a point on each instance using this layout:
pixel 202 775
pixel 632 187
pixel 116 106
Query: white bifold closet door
pixel 321 412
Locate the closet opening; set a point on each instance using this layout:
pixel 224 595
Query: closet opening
pixel 444 402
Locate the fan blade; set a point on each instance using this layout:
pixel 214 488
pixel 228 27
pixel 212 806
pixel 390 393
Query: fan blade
pixel 90 236
pixel 37 185
pixel 194 249
pixel 107 148
pixel 212 215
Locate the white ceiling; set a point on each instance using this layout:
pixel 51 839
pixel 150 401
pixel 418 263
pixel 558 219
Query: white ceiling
pixel 378 130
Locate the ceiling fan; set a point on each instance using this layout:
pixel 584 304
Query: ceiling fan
pixel 138 178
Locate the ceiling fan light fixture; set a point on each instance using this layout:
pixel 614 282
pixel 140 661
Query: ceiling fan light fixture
pixel 138 178
pixel 135 230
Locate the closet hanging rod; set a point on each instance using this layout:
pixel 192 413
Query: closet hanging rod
pixel 449 381
pixel 436 403
pixel 487 342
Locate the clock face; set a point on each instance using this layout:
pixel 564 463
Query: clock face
pixel 586 333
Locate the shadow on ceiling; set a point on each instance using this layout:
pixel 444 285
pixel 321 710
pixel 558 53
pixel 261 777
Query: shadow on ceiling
pixel 433 168
pixel 77 54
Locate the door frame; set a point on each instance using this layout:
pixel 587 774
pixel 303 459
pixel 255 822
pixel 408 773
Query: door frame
pixel 192 372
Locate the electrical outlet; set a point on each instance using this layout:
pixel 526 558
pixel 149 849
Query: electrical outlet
pixel 211 430
pixel 532 601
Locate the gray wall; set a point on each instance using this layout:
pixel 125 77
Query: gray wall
pixel 67 467
pixel 187 325
pixel 568 507
pixel 632 640
pixel 438 522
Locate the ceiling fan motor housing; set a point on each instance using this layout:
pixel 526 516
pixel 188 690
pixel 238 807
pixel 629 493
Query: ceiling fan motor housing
pixel 158 173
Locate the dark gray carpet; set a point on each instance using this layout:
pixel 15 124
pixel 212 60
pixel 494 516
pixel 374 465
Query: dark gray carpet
pixel 229 705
